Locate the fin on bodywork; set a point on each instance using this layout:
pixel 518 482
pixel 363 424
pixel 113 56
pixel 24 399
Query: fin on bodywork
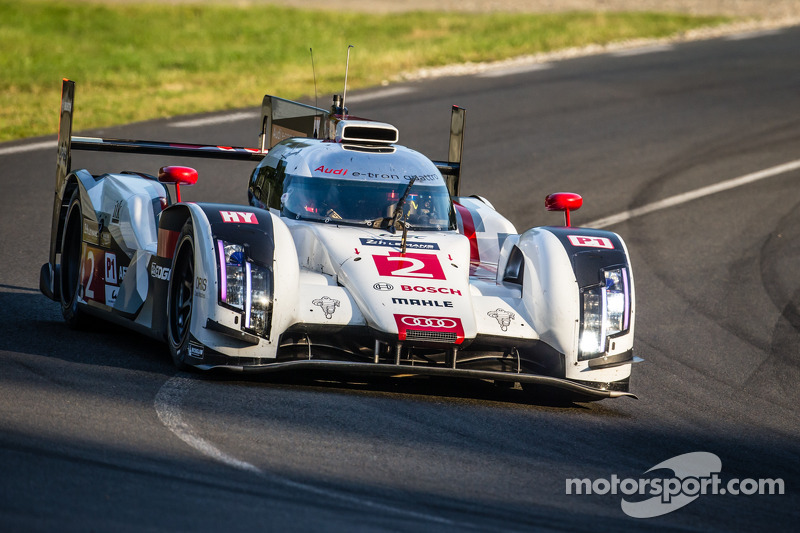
pixel 282 119
pixel 451 169
pixel 63 161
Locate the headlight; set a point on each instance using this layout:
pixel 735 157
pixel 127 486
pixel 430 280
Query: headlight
pixel 259 302
pixel 246 287
pixel 605 312
pixel 232 279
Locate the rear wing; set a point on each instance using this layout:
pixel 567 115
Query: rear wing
pixel 451 169
pixel 67 143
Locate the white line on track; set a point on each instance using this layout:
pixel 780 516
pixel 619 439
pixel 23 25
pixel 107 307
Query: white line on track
pixel 28 147
pixel 652 49
pixel 752 34
pixel 513 70
pixel 168 403
pixel 695 194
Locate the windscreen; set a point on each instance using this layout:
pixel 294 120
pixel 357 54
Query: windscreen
pixel 361 203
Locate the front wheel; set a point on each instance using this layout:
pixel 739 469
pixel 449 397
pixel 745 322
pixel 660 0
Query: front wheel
pixel 180 297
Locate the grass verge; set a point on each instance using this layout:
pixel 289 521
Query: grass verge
pixel 142 61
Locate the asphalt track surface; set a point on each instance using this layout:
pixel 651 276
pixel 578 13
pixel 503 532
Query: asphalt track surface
pixel 98 432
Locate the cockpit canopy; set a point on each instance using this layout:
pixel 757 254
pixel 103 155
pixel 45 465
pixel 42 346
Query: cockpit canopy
pixel 330 182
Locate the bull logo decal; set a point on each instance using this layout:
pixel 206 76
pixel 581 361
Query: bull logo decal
pixel 327 304
pixel 503 317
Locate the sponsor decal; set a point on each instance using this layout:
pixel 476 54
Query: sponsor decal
pixel 122 271
pixel 413 245
pixel 200 286
pixel 410 265
pixel 503 317
pixel 432 290
pixel 280 133
pixel 91 233
pixel 376 175
pixel 337 172
pixel 111 268
pixel 327 304
pixel 424 303
pixel 429 322
pixel 111 295
pixel 406 177
pixel 238 217
pixel 93 286
pixel 590 242
pixel 195 350
pixel 159 272
pixel 116 212
pixel 382 286
pixel 434 324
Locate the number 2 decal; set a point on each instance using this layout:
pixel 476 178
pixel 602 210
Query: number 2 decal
pixel 410 265
pixel 89 292
pixel 415 270
pixel 92 275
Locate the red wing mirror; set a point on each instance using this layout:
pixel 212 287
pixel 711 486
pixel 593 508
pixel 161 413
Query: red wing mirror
pixel 179 176
pixel 563 201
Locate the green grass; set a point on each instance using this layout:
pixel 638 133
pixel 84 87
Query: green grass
pixel 142 61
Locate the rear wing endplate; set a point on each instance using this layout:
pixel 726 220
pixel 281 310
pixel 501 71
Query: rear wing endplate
pixel 283 119
pixel 451 169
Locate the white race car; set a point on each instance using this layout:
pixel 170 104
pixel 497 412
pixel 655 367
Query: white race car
pixel 355 254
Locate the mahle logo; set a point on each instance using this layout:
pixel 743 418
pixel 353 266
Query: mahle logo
pixel 694 474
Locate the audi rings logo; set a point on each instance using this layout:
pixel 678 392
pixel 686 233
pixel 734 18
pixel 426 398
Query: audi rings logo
pixel 430 328
pixel 429 322
pixel 382 286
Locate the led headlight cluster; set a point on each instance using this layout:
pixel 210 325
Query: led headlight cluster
pixel 605 312
pixel 245 286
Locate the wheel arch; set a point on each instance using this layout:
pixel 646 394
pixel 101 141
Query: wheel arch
pixel 557 265
pixel 49 275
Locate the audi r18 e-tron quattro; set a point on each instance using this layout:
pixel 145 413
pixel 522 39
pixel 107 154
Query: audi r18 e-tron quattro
pixel 354 254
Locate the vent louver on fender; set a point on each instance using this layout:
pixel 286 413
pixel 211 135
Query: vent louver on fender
pixel 366 132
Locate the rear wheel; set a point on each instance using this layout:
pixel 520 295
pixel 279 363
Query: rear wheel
pixel 180 297
pixel 71 260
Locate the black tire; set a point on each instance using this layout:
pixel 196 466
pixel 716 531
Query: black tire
pixel 180 296
pixel 71 262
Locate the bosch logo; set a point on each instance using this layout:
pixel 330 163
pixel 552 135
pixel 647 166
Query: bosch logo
pixel 383 286
pixel 420 288
pixel 429 322
pixel 159 272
